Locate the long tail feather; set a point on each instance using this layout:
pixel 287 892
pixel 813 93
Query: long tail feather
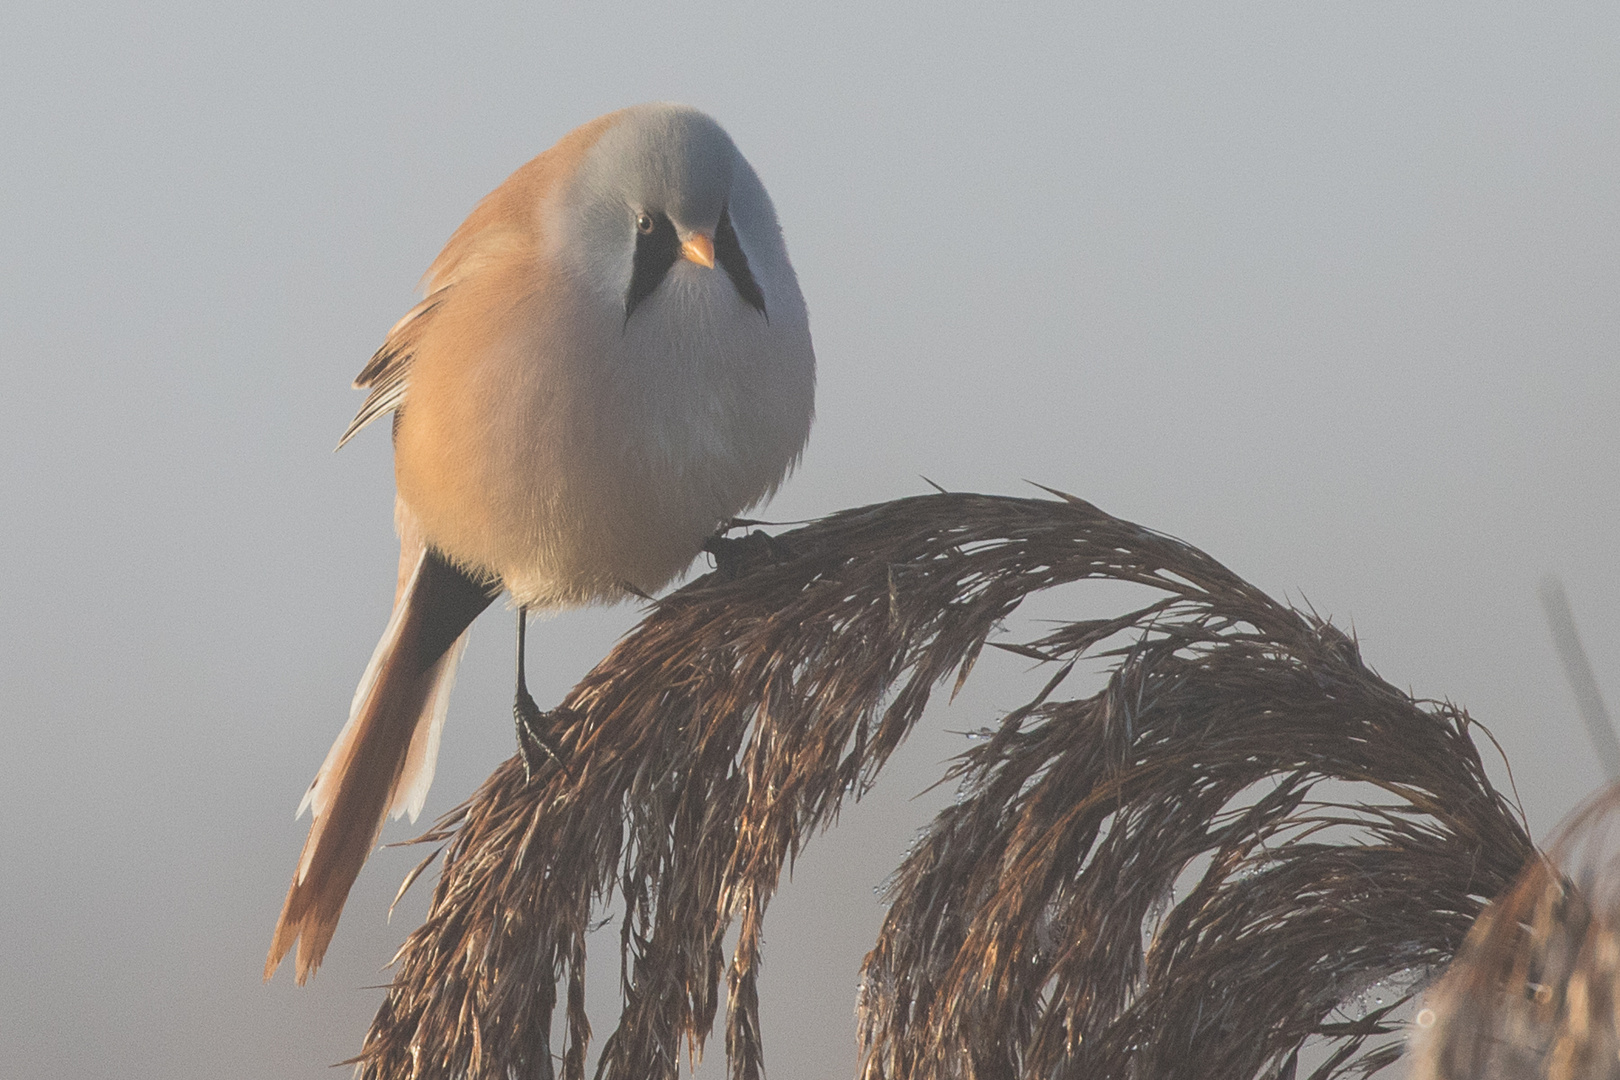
pixel 383 759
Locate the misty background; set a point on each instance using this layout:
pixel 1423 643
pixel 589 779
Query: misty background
pixel 1331 291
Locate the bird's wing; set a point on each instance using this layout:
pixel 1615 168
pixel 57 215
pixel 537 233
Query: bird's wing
pixel 388 372
pixel 501 226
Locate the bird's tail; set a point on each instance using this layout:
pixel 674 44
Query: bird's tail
pixel 383 760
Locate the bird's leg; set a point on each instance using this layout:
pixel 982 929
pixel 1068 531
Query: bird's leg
pixel 735 556
pixel 532 742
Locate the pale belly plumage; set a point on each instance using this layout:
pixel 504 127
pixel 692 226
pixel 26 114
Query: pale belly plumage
pixel 576 469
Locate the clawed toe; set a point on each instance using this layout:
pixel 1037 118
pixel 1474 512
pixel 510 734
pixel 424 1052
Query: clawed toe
pixel 534 735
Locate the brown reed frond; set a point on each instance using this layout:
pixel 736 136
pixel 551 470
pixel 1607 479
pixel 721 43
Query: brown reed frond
pixel 724 731
pixel 1535 992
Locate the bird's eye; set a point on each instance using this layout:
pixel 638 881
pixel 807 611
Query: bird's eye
pixel 644 223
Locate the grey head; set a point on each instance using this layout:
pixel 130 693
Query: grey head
pixel 665 183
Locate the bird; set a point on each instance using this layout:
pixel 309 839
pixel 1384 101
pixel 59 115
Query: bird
pixel 611 359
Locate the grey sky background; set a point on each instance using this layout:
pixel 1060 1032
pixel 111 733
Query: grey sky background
pixel 1330 290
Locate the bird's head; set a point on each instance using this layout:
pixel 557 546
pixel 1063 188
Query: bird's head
pixel 662 194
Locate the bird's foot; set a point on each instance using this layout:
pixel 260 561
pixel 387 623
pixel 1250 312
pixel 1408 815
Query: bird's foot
pixel 534 734
pixel 734 556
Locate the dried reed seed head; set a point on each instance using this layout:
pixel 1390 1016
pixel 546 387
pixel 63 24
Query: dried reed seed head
pixel 727 728
pixel 1535 991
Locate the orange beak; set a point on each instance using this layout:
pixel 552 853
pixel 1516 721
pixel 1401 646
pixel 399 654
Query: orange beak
pixel 699 247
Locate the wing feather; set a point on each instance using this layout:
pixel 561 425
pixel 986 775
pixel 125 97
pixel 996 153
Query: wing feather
pixel 387 373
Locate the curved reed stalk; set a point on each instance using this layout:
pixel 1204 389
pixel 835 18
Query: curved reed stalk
pixel 723 732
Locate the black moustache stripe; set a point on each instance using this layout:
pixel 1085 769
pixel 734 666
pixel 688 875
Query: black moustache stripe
pixel 729 254
pixel 656 252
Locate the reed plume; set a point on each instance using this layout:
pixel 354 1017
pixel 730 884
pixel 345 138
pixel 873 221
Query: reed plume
pixel 1535 992
pixel 1327 831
